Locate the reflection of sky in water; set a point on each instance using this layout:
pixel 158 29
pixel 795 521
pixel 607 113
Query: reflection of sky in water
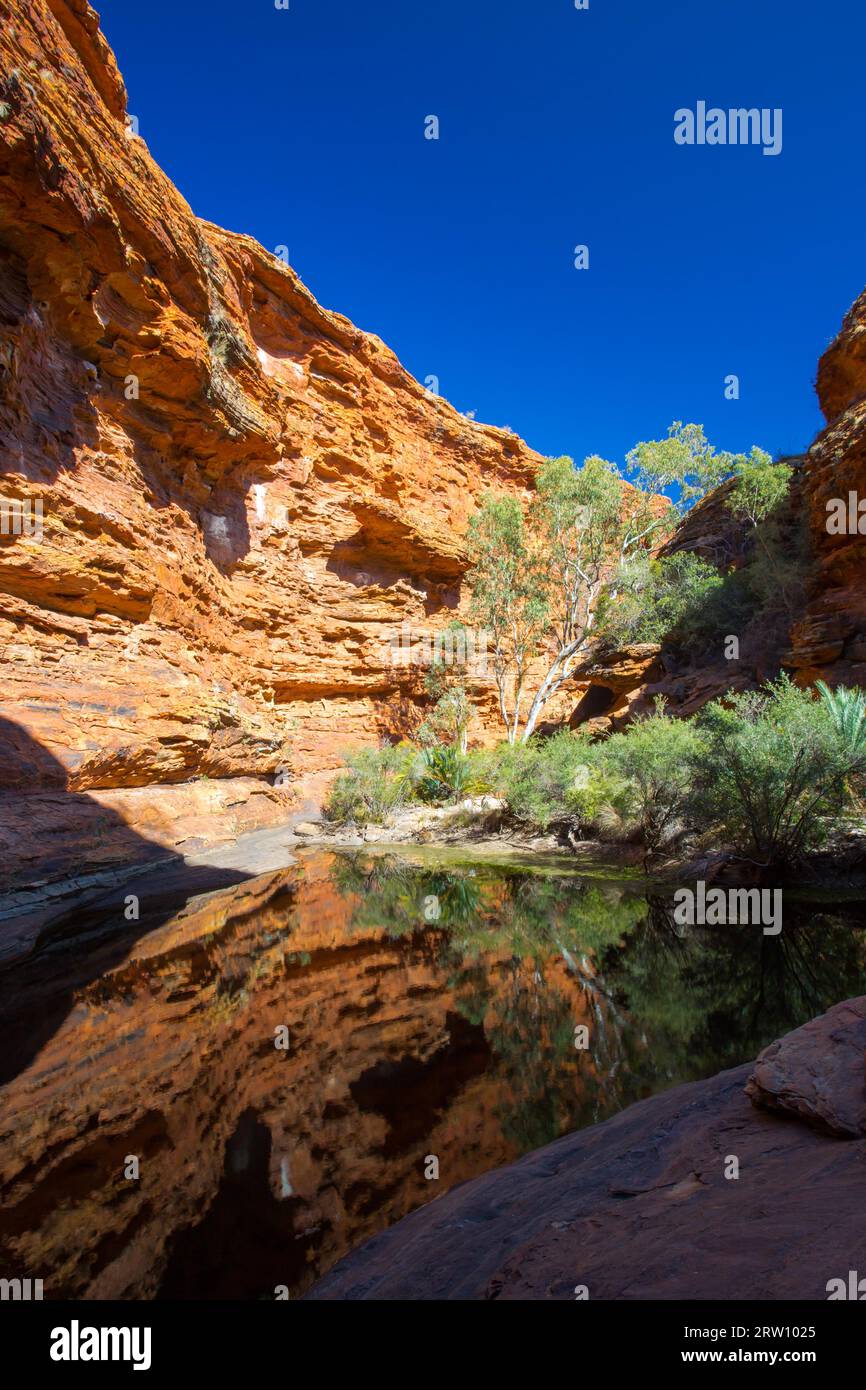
pixel 285 1184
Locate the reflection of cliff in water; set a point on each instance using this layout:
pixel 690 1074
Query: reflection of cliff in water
pixel 429 1013
pixel 47 834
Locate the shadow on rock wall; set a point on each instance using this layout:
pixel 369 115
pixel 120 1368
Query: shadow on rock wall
pixel 66 950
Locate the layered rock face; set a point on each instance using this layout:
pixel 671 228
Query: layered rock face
pixel 222 506
pixel 243 497
pixel 830 640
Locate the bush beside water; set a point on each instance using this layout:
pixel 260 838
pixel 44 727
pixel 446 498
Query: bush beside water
pixel 770 775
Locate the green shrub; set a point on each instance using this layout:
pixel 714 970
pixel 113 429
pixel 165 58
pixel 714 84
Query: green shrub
pixel 376 783
pixel 652 764
pixel 658 600
pixel 546 780
pixel 450 708
pixel 774 772
pixel 847 711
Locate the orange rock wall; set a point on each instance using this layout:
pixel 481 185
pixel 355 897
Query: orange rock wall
pixel 830 640
pixel 243 496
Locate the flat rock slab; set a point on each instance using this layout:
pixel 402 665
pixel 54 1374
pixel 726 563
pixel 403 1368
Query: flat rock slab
pixel 642 1207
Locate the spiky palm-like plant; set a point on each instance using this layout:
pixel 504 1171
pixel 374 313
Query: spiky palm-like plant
pixel 847 709
pixel 446 774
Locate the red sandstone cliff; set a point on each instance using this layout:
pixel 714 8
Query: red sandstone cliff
pixel 830 640
pixel 243 495
pixel 244 498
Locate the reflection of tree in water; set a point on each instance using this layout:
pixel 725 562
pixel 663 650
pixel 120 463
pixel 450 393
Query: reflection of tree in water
pixel 396 895
pixel 552 928
pixel 529 956
pixel 712 997
pixel 517 951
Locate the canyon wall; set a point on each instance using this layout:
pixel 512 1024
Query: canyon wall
pixel 220 503
pixel 827 639
pixel 243 497
pixel 830 639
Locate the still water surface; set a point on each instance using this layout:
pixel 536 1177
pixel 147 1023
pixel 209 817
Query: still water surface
pixel 433 1015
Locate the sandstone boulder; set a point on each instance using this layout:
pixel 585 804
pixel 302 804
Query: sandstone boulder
pixel 816 1073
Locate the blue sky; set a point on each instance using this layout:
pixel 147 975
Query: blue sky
pixel 305 128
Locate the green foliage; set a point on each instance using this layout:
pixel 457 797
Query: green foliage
pixel 772 777
pixel 544 781
pixel 770 774
pixel 503 577
pixel 535 580
pixel 377 782
pixel 576 514
pixel 538 580
pixel 508 596
pixel 760 486
pixel 684 460
pixel 675 598
pixel 636 784
pixel 689 603
pixel 576 520
pixel 774 576
pixel 773 583
pixel 451 709
pixel 445 775
pixel 847 710
pixel 548 781
pixel 655 761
